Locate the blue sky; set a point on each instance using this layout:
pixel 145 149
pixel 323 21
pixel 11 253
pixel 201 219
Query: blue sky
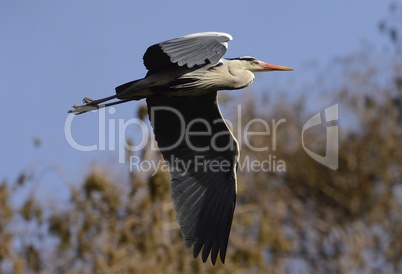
pixel 53 53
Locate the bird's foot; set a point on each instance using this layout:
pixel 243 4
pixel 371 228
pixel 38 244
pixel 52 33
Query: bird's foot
pixel 87 106
pixel 87 100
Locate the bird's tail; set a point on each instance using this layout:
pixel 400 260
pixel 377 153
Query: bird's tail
pixel 124 93
pixel 120 89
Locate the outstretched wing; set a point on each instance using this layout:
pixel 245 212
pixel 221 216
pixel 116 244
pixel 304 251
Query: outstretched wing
pixel 202 155
pixel 190 50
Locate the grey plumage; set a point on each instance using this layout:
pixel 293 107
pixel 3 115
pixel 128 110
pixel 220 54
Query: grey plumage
pixel 185 74
pixel 204 200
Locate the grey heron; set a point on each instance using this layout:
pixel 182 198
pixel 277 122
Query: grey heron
pixel 184 75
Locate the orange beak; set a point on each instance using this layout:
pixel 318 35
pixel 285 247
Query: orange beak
pixel 269 67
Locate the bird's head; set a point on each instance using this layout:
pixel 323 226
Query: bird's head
pixel 254 65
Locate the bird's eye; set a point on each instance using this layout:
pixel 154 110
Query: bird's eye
pixel 254 62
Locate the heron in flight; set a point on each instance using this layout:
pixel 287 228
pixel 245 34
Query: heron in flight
pixel 184 75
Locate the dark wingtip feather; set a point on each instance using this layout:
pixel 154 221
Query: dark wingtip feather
pixel 196 250
pixel 155 59
pixel 222 254
pixel 213 259
pixel 206 250
pixel 214 254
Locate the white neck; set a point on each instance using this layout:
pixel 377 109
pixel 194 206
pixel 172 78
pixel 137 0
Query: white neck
pixel 242 77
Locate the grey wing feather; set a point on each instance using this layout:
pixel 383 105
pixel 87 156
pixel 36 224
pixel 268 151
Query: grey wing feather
pixel 191 50
pixel 204 199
